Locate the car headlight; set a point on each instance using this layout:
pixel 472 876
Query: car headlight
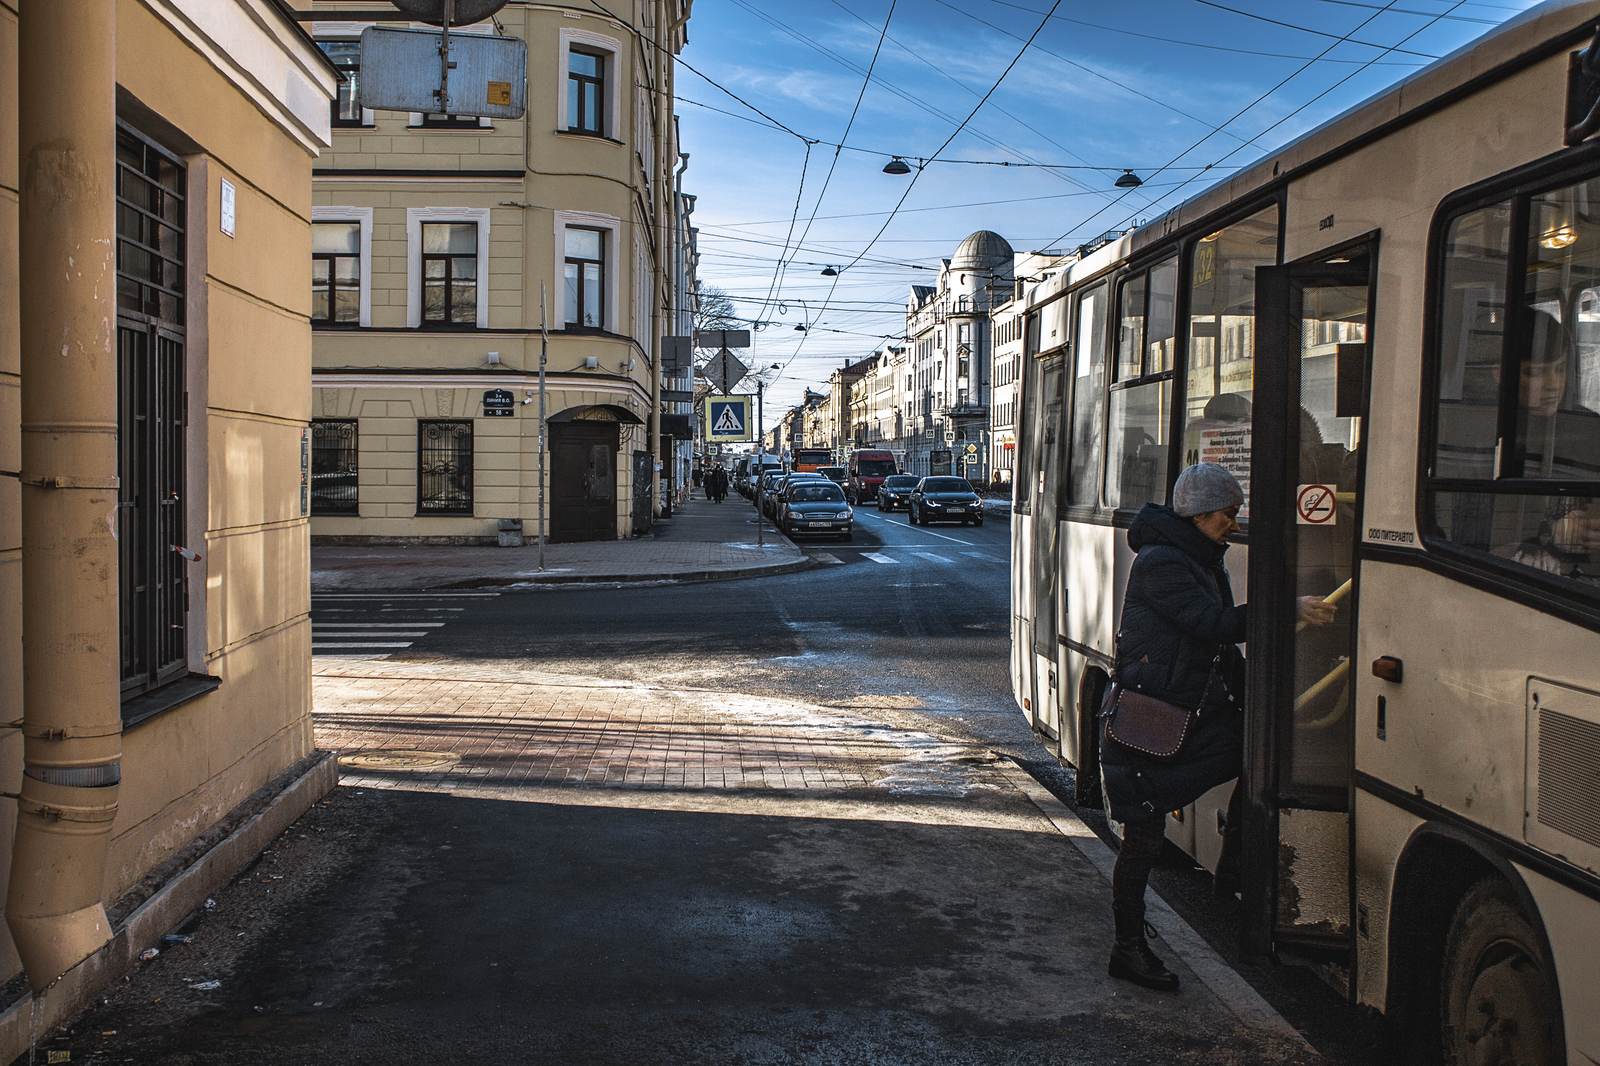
pixel 842 514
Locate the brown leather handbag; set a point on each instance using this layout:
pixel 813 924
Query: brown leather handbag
pixel 1154 728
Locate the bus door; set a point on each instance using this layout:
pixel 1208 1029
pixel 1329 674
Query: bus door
pixel 1045 566
pixel 1305 508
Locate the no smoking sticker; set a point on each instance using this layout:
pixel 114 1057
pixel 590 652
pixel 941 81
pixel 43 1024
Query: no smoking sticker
pixel 1316 505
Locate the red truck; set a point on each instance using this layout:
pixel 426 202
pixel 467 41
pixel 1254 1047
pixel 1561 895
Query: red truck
pixel 866 472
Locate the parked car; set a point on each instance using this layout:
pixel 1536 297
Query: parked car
pixel 835 474
pixel 764 489
pixel 945 499
pixel 815 505
pixel 774 492
pixel 755 466
pixel 894 493
pixel 866 471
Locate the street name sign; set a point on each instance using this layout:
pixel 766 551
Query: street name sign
pixel 722 338
pixel 676 354
pixel 499 403
pixel 728 419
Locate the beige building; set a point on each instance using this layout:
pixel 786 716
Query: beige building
pixel 155 371
pixel 442 246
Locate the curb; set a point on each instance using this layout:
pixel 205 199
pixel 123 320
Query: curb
pixel 1220 979
pixel 166 908
pixel 766 570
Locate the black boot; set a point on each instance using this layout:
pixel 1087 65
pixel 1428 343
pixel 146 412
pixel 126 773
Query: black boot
pixel 1132 959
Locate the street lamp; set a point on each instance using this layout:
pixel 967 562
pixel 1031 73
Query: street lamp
pixel 829 272
pixel 896 166
pixel 1128 180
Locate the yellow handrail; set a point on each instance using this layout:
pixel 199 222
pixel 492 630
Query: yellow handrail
pixel 1331 598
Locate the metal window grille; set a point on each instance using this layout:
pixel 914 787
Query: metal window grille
pixel 444 467
pixel 334 452
pixel 586 72
pixel 152 414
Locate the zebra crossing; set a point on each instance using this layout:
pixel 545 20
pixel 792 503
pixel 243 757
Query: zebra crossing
pixel 895 556
pixel 375 625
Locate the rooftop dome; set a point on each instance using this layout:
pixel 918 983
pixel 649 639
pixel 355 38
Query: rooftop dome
pixel 984 250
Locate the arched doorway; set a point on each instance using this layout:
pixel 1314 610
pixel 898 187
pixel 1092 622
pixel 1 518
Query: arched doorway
pixel 583 472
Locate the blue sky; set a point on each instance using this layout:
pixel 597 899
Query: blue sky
pixel 1137 84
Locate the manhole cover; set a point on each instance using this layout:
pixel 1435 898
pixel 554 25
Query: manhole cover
pixel 409 759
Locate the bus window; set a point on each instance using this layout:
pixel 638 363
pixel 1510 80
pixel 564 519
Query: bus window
pixel 1141 408
pixel 1471 336
pixel 1088 399
pixel 1534 499
pixel 1219 386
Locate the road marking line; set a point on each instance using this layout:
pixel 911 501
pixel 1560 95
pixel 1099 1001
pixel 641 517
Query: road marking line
pixel 877 558
pixel 315 645
pixel 318 596
pixel 375 625
pixel 830 559
pixel 979 555
pixel 1223 981
pixel 930 555
pixel 929 532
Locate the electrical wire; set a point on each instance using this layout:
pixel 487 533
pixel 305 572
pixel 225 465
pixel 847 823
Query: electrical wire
pixel 1236 116
pixel 1320 33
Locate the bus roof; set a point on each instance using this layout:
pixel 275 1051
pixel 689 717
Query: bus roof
pixel 1534 34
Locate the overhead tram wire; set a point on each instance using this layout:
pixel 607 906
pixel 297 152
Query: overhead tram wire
pixel 1095 73
pixel 1408 11
pixel 1238 114
pixel 1322 33
pixel 919 171
pixel 778 273
pixel 1427 25
pixel 1198 44
pixel 890 87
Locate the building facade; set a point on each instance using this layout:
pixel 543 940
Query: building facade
pixel 1006 329
pixel 155 370
pixel 451 251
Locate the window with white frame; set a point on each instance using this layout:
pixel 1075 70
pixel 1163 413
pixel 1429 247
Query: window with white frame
pixel 341 275
pixel 589 98
pixel 587 261
pixel 447 267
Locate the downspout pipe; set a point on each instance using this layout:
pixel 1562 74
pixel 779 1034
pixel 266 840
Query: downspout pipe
pixel 71 661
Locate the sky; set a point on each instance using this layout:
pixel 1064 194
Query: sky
pixel 1182 92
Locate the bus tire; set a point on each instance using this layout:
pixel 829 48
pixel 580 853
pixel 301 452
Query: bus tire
pixel 1497 1000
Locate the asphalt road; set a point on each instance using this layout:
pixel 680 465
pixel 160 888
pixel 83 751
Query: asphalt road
pixel 394 926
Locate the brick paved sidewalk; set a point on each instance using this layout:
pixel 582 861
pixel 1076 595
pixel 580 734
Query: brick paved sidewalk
pixel 702 541
pixel 558 731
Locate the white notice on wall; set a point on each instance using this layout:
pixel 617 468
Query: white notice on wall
pixel 227 207
pixel 1229 447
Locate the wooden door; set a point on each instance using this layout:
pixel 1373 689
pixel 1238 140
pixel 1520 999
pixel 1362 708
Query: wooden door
pixel 583 481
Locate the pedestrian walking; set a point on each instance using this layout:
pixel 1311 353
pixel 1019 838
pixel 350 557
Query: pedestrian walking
pixel 716 484
pixel 1177 655
pixel 698 477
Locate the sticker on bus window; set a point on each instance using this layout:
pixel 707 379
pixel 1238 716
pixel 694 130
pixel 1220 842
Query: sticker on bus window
pixel 1316 505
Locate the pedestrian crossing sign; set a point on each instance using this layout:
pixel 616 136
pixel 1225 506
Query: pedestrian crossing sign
pixel 727 419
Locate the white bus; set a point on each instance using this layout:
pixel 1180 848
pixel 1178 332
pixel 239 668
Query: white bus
pixel 1390 332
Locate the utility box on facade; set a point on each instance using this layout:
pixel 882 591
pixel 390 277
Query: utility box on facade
pixel 510 532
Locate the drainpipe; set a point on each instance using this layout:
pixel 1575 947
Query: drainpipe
pixel 71 662
pixel 678 264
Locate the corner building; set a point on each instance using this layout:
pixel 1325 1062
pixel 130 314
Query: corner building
pixel 155 369
pixel 435 239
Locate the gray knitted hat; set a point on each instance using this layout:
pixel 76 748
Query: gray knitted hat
pixel 1203 488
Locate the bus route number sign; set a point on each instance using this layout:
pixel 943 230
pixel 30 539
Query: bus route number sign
pixel 1316 505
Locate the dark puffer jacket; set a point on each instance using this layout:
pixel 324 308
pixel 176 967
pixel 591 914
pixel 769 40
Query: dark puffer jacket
pixel 1177 613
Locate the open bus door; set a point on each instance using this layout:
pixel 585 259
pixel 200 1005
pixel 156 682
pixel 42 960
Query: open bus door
pixel 1310 399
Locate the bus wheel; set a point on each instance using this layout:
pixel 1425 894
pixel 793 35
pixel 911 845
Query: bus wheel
pixel 1495 994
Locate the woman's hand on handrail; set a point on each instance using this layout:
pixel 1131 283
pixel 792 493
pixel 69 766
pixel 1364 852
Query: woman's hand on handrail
pixel 1315 611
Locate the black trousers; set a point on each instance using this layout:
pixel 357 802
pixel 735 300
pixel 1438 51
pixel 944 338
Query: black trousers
pixel 1142 842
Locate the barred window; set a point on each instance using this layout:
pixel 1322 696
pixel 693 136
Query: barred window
pixel 334 448
pixel 444 467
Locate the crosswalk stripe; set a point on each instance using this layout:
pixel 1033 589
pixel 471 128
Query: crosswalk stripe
pixel 831 560
pixel 376 625
pixel 930 555
pixel 315 645
pixel 346 634
pixel 979 555
pixel 878 558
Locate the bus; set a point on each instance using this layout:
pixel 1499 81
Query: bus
pixel 1389 330
pixel 808 460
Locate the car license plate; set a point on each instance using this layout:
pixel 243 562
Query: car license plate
pixel 816 525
